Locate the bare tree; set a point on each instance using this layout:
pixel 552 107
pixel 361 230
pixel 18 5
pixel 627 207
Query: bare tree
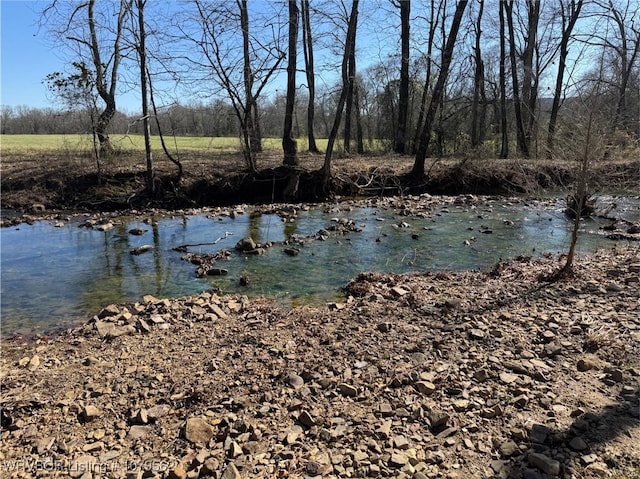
pixel 591 122
pixel 289 145
pixel 523 145
pixel 434 16
pixel 78 90
pixel 624 44
pixel 242 63
pixel 569 14
pixel 141 49
pixel 403 101
pixel 349 46
pixel 478 110
pixel 99 42
pixel 438 91
pixel 307 48
pixel 504 126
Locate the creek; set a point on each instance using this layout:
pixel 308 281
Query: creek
pixel 55 274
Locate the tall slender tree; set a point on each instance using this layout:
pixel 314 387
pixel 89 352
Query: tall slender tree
pixel 624 45
pixel 504 125
pixel 523 146
pixel 438 91
pixel 349 46
pixel 142 60
pixel 241 64
pixel 400 143
pixel 307 48
pixel 569 14
pixel 95 42
pixel 434 16
pixel 289 144
pixel 478 109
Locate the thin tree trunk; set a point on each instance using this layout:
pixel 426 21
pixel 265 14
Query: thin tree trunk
pixel 142 54
pixel 356 104
pixel 530 77
pixel 438 91
pixel 403 100
pixel 307 47
pixel 348 47
pixel 289 144
pixel 106 87
pixel 517 101
pixel 567 28
pixel 478 81
pixel 250 139
pixel 504 125
pixel 348 114
pixel 427 81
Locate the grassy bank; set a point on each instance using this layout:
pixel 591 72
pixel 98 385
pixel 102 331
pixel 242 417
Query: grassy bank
pixel 78 144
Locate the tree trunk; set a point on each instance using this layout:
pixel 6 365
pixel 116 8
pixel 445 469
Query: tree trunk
pixel 348 114
pixel 478 80
pixel 427 81
pixel 106 87
pixel 307 47
pixel 356 104
pixel 250 138
pixel 567 27
pixel 403 100
pixel 142 56
pixel 438 91
pixel 504 125
pixel 289 145
pixel 349 45
pixel 530 78
pixel 517 101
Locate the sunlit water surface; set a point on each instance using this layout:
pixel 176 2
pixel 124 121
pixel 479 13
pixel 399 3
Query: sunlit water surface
pixel 54 277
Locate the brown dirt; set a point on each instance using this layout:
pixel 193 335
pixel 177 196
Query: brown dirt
pixel 452 375
pixel 69 182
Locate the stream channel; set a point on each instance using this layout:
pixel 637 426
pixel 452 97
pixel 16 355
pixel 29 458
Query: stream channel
pixel 56 274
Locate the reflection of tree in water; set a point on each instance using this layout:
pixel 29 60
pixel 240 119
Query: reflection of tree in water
pixel 103 281
pixel 290 226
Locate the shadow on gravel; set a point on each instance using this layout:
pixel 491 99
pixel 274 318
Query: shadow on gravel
pixel 543 452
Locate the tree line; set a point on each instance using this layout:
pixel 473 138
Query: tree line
pixel 424 77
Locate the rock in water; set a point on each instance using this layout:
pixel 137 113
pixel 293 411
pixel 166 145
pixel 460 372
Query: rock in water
pixel 141 249
pixel 246 244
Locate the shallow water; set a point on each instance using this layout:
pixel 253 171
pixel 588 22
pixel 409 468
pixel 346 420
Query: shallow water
pixel 53 277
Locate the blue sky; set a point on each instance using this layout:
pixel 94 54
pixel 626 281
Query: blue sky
pixel 25 55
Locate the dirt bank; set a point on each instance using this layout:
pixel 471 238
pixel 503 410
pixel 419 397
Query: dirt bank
pixel 68 182
pixel 453 375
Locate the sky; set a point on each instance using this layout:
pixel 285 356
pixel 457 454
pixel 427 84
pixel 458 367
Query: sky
pixel 26 57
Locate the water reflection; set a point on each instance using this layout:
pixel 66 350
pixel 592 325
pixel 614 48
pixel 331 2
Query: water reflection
pixel 51 276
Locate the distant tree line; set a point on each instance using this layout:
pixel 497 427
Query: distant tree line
pixel 424 77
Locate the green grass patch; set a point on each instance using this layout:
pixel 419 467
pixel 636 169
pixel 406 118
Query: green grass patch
pixel 24 144
pixel 21 144
pixel 84 143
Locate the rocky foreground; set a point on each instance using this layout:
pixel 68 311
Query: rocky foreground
pixel 457 375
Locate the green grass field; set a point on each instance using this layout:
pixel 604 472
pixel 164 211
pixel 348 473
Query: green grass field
pixel 22 144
